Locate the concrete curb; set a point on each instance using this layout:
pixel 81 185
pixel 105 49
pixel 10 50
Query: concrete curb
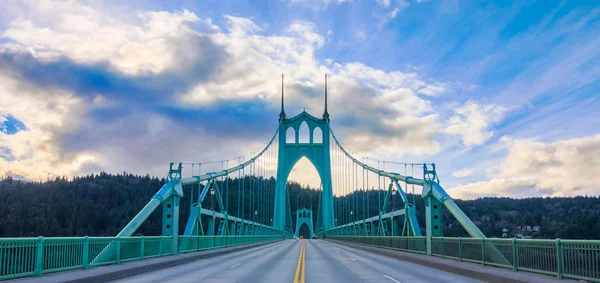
pixel 113 272
pixel 475 271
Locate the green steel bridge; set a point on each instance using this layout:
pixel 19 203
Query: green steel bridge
pixel 343 215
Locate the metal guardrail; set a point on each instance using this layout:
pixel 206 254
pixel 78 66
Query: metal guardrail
pixel 574 259
pixel 22 257
pixel 407 244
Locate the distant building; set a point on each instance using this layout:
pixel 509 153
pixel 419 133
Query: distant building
pixel 519 236
pixel 537 228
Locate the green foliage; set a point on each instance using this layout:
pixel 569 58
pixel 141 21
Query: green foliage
pixel 102 204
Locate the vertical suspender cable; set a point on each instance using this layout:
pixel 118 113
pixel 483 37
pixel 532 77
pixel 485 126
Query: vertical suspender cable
pixel 192 190
pixel 413 185
pixel 378 190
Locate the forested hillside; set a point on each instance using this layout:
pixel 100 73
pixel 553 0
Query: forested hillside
pixel 102 204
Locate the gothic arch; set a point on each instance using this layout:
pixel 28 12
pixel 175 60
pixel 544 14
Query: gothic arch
pixel 317 153
pixel 304 217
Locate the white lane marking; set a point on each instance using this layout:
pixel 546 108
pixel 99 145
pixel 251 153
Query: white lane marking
pixel 261 254
pixel 353 259
pixel 392 279
pixel 337 252
pixel 235 265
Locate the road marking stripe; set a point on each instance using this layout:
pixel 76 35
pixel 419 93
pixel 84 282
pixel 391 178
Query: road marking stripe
pixel 353 259
pixel 300 260
pixel 392 279
pixel 235 265
pixel 303 264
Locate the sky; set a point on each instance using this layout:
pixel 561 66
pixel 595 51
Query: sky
pixel 503 96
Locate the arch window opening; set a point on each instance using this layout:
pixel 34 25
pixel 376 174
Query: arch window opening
pixel 304 133
pixel 290 135
pixel 317 135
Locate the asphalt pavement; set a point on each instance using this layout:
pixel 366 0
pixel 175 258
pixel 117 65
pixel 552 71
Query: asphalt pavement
pixel 282 262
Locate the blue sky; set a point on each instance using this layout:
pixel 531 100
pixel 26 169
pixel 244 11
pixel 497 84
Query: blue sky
pixel 503 96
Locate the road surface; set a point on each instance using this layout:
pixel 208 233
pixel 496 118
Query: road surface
pixel 314 261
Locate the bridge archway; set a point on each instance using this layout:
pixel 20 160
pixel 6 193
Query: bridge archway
pixel 318 153
pixel 304 219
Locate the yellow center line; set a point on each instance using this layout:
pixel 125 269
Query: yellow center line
pixel 301 264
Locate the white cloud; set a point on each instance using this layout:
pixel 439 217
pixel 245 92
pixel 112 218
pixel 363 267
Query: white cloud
pixel 472 122
pixel 465 172
pixel 306 31
pixel 387 114
pixel 563 168
pixel 400 5
pixel 433 90
pixel 384 3
pixel 87 35
pixel 241 26
pixel 360 35
pixel 33 151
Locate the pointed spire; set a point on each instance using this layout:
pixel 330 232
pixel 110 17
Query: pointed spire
pixel 282 114
pixel 325 114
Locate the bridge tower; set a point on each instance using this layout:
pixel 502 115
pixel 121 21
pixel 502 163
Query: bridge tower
pixel 304 216
pixel 316 151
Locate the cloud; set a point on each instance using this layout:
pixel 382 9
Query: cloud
pixel 153 84
pixel 433 90
pixel 472 122
pixel 400 5
pixel 384 3
pixel 563 168
pixel 465 172
pixel 241 26
pixel 360 35
pixel 50 30
pixel 32 152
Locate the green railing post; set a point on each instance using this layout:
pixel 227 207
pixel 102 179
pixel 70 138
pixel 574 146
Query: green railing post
pixel 428 245
pixel 483 251
pixel 86 252
pixel 515 253
pixel 118 253
pixel 442 246
pixel 559 259
pixel 160 246
pixel 142 246
pixel 39 258
pixel 459 249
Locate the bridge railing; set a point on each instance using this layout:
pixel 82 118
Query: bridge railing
pixel 575 259
pixel 22 257
pixel 407 244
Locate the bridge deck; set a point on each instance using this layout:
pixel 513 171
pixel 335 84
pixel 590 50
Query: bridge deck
pixel 325 262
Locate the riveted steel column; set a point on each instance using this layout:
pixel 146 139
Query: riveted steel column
pixel 170 220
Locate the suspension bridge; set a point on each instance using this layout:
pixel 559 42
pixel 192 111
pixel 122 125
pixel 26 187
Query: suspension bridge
pixel 240 224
